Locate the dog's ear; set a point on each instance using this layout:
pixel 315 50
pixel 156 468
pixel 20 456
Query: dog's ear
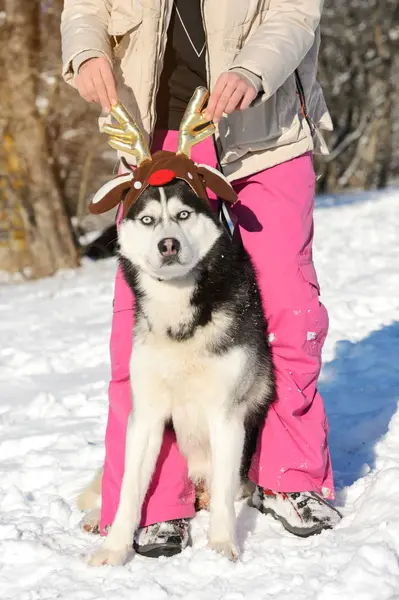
pixel 109 195
pixel 217 182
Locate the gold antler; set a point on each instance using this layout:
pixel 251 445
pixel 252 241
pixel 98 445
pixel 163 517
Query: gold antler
pixel 194 127
pixel 127 137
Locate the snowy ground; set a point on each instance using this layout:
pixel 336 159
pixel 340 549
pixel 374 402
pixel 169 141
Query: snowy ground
pixel 53 403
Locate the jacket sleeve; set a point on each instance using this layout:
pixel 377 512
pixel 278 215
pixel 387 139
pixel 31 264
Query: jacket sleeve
pixel 280 44
pixel 84 30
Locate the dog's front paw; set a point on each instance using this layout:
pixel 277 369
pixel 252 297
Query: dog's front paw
pixel 108 556
pixel 227 548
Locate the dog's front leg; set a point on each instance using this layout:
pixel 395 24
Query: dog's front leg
pixel 143 443
pixel 227 441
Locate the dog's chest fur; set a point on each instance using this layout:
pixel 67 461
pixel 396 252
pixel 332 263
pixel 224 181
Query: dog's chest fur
pixel 175 370
pixel 180 352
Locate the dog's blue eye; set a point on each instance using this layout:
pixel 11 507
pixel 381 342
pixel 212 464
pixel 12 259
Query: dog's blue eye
pixel 147 220
pixel 184 214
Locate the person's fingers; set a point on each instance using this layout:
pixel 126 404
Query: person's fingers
pixel 86 93
pixel 249 97
pixel 224 99
pixel 109 81
pixel 232 92
pixel 95 83
pixel 91 90
pixel 101 91
pixel 84 85
pixel 236 98
pixel 215 96
pixel 80 86
pixel 95 98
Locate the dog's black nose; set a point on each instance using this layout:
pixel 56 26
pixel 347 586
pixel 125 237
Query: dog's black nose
pixel 169 247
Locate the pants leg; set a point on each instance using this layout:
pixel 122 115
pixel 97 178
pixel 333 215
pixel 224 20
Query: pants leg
pixel 171 494
pixel 275 218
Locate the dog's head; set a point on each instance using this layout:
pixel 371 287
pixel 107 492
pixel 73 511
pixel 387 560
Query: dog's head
pixel 167 232
pixel 167 223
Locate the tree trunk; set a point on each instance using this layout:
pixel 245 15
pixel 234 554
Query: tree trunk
pixel 48 229
pixel 357 70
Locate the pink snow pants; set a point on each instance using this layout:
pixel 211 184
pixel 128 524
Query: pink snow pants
pixel 275 220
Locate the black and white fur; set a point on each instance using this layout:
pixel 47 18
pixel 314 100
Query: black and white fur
pixel 200 360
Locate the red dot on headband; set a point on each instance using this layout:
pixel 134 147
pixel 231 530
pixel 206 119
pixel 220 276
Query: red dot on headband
pixel 161 177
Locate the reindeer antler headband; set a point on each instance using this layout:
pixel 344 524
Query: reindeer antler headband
pixel 163 166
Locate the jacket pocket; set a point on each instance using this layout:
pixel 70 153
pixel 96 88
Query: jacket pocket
pixel 267 125
pixel 243 128
pixel 126 16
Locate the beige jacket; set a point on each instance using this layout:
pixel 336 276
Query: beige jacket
pixel 269 38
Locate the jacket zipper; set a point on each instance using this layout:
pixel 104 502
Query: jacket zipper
pixel 165 21
pixel 301 94
pixel 207 66
pixel 208 72
pixel 221 214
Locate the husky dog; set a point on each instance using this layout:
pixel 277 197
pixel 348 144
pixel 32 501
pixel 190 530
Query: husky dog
pixel 200 362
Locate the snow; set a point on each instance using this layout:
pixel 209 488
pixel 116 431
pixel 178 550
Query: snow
pixel 54 371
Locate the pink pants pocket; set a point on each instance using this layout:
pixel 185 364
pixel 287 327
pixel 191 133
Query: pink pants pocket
pixel 308 273
pixel 316 319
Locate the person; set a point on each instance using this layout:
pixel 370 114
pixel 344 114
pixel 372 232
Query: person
pixel 258 58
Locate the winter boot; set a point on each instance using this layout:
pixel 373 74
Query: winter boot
pixel 162 539
pixel 301 513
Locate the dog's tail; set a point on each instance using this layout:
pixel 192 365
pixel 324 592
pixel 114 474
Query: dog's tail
pixel 90 497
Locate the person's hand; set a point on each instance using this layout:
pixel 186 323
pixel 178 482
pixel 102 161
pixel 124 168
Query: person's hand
pixel 95 82
pixel 231 92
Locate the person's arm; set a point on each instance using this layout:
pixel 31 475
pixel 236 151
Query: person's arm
pixel 84 31
pixel 281 43
pixel 272 53
pixel 86 50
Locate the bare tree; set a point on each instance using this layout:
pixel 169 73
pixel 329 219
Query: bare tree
pixel 47 227
pixel 357 70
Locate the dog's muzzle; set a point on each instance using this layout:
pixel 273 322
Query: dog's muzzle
pixel 169 249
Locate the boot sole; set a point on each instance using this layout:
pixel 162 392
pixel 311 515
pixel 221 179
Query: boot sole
pixel 303 532
pixel 158 550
